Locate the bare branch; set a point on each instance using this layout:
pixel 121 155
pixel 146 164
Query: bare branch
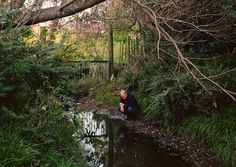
pixel 159 22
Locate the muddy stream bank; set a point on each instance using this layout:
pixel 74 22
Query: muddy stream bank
pixel 112 141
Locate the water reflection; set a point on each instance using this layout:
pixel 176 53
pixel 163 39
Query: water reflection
pixel 109 144
pixel 96 139
pixel 93 127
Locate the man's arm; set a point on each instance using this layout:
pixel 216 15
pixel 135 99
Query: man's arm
pixel 122 109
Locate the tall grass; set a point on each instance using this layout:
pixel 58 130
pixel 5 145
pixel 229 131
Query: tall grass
pixel 15 151
pixel 220 131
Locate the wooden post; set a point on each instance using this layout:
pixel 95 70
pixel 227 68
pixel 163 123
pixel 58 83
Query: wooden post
pixel 125 50
pixel 107 70
pixel 129 49
pixel 122 51
pixel 134 47
pixel 137 46
pixel 120 54
pixel 110 50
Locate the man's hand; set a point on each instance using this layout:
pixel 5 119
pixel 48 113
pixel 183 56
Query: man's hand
pixel 122 104
pixel 122 107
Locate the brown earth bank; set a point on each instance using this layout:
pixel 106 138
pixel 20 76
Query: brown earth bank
pixel 174 140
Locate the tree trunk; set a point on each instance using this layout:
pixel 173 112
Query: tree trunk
pixel 110 50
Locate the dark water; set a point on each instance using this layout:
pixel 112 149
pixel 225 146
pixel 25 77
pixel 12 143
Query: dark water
pixel 109 144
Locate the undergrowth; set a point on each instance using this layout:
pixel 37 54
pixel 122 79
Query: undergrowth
pixel 35 90
pixel 39 134
pixel 103 92
pixel 220 131
pixel 15 151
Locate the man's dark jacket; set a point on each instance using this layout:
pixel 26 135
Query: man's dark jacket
pixel 130 101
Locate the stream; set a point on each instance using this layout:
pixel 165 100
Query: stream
pixel 108 143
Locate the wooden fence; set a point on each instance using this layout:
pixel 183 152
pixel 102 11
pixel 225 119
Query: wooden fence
pixel 92 68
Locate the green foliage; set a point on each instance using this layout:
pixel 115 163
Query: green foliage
pixel 67 92
pixel 4 90
pixel 103 91
pixel 220 131
pixel 49 126
pixel 173 94
pixel 229 6
pixel 144 100
pixel 11 44
pixel 34 88
pixel 44 130
pixel 16 151
pixel 57 159
pixel 86 84
pixel 22 78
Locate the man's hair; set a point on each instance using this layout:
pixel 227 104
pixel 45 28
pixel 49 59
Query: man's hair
pixel 125 90
pixel 125 87
pixel 121 89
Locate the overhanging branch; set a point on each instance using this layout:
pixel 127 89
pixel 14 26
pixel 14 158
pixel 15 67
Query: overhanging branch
pixel 43 15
